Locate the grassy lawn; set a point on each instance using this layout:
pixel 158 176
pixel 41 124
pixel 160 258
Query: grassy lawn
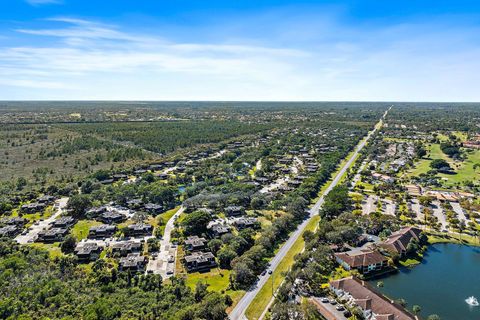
pixel 436 237
pixel 52 248
pixel 80 230
pixel 464 170
pixel 236 296
pixel 434 152
pixel 165 216
pixel 217 279
pixel 32 217
pixel 264 296
pixel 409 262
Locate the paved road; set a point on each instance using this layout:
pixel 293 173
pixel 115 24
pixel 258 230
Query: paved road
pixel 36 228
pixel 239 311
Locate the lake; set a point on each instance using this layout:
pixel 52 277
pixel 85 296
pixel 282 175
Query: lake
pixel 448 275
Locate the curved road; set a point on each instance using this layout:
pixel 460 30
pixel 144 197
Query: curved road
pixel 239 311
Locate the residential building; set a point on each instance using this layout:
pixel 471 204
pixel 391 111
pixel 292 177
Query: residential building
pixel 373 304
pixel 52 235
pixel 46 199
pixel 110 217
pixel 63 222
pixel 9 231
pixel 218 228
pixel 102 231
pixel 133 262
pixel 244 222
pixel 200 261
pixel 87 251
pixel 194 243
pixel 364 261
pixel 126 247
pixel 14 221
pixel 234 210
pixel 153 208
pixel 398 241
pixel 33 207
pixel 139 230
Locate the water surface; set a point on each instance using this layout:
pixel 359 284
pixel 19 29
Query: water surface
pixel 448 275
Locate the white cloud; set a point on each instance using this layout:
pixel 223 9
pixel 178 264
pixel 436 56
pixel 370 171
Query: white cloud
pixel 42 2
pixel 90 60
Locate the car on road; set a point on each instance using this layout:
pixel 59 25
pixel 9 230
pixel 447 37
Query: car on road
pixel 264 272
pixel 332 301
pixel 169 271
pixel 270 271
pixel 340 307
pixel 171 259
pixel 324 300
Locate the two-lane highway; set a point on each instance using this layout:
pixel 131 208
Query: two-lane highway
pixel 239 311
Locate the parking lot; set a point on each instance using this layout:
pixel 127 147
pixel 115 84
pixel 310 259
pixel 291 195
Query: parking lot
pixel 328 310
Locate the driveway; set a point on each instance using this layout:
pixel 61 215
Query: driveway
pixel 164 262
pixel 41 225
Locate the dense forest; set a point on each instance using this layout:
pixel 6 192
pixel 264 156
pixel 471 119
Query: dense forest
pixel 34 287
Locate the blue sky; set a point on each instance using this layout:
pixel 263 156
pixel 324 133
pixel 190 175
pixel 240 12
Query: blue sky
pixel 379 50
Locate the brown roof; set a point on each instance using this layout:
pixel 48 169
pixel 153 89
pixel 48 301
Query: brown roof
pixel 398 241
pixel 357 259
pixel 368 298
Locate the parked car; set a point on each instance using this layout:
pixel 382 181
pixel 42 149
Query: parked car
pixel 340 307
pixel 324 300
pixel 333 301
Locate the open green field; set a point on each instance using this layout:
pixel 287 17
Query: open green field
pixel 217 279
pixel 464 170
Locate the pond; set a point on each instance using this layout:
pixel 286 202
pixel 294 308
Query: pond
pixel 448 275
